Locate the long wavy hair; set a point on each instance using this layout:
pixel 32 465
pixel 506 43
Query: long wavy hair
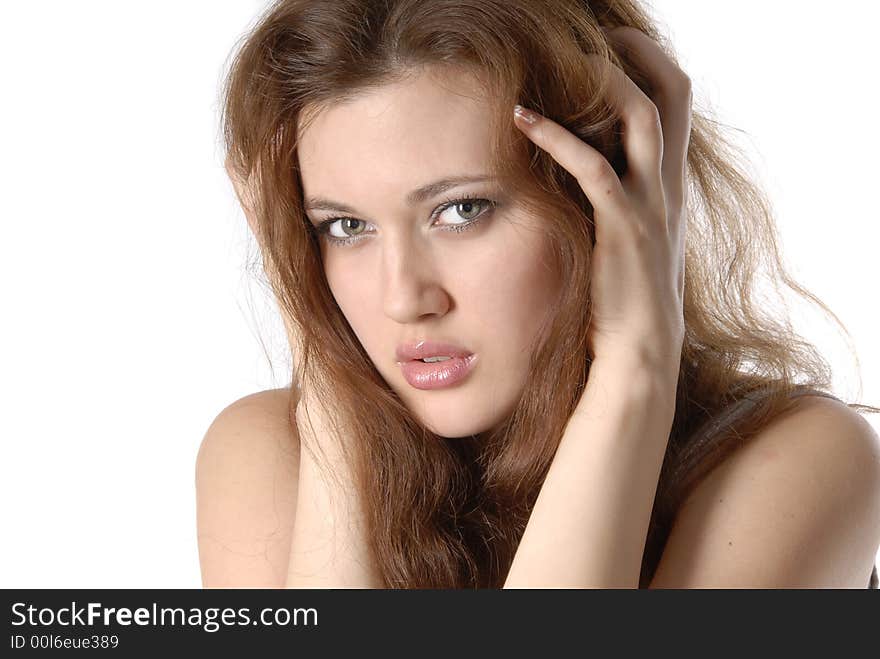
pixel 449 513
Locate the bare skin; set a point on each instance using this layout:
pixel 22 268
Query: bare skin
pixel 598 493
pixel 247 488
pixel 246 483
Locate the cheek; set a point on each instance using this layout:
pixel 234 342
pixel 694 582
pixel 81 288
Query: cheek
pixel 358 294
pixel 512 290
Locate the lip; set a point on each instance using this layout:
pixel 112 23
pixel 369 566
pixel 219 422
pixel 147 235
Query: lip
pixel 437 375
pixel 421 349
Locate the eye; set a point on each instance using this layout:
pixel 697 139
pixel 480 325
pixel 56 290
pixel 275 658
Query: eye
pixel 471 209
pixel 347 224
pixel 467 209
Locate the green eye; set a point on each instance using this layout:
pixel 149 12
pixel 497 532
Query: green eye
pixel 347 222
pixel 471 209
pixel 469 205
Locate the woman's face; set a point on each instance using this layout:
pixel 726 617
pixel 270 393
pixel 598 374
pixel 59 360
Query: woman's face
pixel 407 275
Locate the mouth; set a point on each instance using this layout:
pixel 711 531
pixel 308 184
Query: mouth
pixel 437 375
pixel 431 352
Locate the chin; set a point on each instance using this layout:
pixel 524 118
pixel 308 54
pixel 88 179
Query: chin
pixel 464 429
pixel 453 431
pixel 462 417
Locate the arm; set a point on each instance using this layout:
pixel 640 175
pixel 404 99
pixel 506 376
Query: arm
pixel 329 546
pixel 590 521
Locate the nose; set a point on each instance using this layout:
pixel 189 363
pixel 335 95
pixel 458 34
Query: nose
pixel 412 283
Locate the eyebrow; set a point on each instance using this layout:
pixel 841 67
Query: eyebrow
pixel 417 196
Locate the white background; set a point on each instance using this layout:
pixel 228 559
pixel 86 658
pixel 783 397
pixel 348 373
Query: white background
pixel 130 317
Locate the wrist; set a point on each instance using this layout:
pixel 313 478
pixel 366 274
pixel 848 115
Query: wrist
pixel 630 377
pixel 636 365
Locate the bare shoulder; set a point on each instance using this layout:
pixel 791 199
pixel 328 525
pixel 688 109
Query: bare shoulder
pixel 246 485
pixel 798 505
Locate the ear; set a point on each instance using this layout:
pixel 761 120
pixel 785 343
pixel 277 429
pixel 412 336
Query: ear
pixel 245 194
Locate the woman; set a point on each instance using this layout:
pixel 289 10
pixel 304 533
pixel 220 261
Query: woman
pixel 615 410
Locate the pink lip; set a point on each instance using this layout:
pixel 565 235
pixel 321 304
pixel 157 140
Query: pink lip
pixel 422 349
pixel 438 375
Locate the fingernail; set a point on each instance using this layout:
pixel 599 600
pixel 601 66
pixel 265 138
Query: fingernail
pixel 526 115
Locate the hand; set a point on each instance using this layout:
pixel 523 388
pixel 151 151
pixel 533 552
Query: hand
pixel 329 544
pixel 637 275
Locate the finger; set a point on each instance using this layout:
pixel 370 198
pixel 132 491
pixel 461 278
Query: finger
pixel 642 133
pixel 590 168
pixel 673 99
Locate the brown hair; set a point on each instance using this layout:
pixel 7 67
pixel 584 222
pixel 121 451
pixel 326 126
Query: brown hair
pixel 446 513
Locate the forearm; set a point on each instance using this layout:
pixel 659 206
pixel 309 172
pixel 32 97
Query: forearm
pixel 590 521
pixel 329 546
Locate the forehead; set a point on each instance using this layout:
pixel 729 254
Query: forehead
pixel 431 125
